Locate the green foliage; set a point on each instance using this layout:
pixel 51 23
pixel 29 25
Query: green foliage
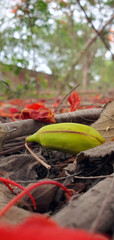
pixel 41 6
pixel 110 3
pixel 57 35
pixel 109 72
pixel 92 2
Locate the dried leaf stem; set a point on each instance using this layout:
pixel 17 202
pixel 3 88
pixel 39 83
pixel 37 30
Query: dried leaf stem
pixel 37 158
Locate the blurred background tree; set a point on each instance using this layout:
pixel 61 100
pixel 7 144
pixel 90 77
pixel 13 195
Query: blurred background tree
pixel 46 44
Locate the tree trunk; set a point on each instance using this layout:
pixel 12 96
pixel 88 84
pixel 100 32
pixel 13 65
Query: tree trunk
pixel 85 75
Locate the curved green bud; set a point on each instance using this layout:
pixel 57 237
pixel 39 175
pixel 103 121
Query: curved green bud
pixel 67 137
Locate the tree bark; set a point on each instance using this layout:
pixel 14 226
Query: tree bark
pixel 85 75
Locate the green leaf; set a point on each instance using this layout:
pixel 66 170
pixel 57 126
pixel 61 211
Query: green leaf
pixel 41 5
pixel 62 4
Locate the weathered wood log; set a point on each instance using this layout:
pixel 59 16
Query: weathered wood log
pixel 20 128
pixel 80 116
pixel 26 127
pixel 84 211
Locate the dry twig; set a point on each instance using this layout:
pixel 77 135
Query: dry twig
pixel 37 158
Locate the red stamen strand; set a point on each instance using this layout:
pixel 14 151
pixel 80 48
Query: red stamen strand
pixel 27 190
pixel 6 181
pixel 9 187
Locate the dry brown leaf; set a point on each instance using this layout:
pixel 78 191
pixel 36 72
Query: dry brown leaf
pixel 22 167
pixel 82 212
pixel 14 214
pixel 105 123
pixel 43 195
pixel 106 149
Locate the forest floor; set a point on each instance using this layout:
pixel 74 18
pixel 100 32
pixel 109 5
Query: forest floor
pixel 88 176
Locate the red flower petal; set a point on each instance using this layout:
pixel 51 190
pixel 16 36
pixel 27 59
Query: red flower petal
pixel 13 110
pixel 41 115
pixel 74 100
pixel 39 227
pixel 36 106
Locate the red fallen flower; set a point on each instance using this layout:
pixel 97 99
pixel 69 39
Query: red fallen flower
pixel 41 115
pixel 17 102
pixel 56 103
pixel 13 110
pixel 74 100
pixel 36 106
pixel 39 227
pixel 14 116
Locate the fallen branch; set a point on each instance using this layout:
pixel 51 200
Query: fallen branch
pixel 29 126
pixel 80 116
